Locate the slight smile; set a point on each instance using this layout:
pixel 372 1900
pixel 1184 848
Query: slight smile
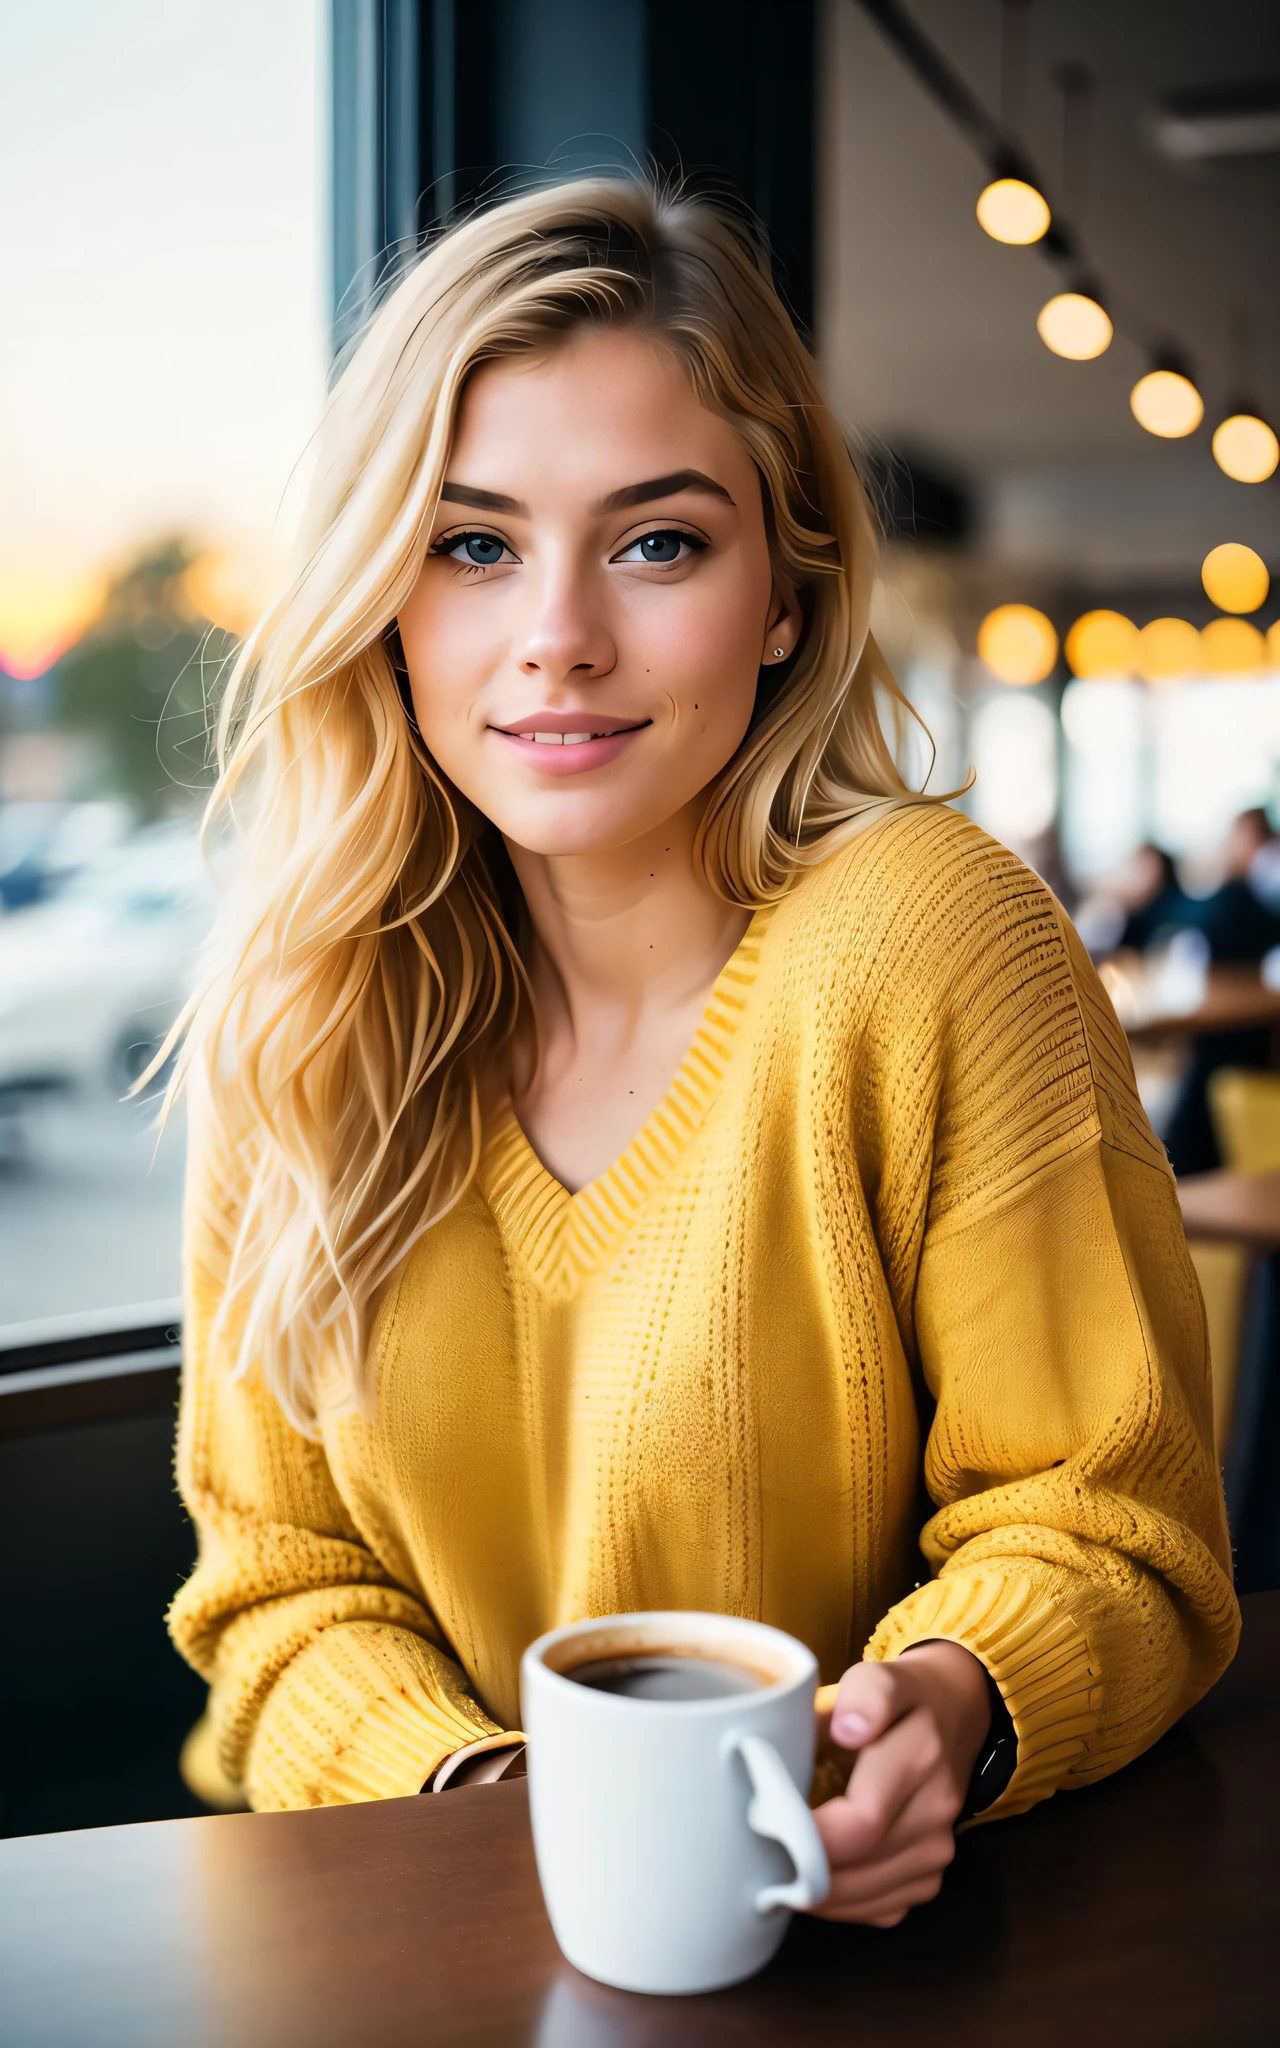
pixel 562 742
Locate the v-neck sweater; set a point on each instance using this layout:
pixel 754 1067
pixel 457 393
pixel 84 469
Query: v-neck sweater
pixel 897 1248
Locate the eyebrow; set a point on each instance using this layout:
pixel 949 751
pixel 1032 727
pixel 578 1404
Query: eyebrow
pixel 663 487
pixel 617 501
pixel 482 501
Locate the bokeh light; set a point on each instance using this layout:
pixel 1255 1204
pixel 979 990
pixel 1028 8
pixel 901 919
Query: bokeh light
pixel 1166 403
pixel 1012 211
pixel 1273 645
pixel 227 589
pixel 1167 648
pixel 1074 325
pixel 1018 644
pixel 1245 448
pixel 1102 644
pixel 1235 579
pixel 1232 647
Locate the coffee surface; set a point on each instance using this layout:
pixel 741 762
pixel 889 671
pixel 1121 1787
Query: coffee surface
pixel 673 1680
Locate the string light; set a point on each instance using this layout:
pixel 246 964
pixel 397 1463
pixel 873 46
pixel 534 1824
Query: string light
pixel 1234 578
pixel 1232 647
pixel 1102 644
pixel 1167 403
pixel 1012 211
pixel 1167 648
pixel 1018 644
pixel 1075 325
pixel 1245 447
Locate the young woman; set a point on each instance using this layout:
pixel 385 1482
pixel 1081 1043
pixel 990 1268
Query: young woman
pixel 636 1143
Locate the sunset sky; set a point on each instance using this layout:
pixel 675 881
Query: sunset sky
pixel 162 347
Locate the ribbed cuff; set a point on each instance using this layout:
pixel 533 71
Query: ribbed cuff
pixel 362 1713
pixel 1035 1651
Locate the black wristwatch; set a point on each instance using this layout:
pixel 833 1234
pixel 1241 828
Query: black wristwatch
pixel 997 1759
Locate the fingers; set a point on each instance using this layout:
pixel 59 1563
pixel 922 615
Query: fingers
pixel 890 1837
pixel 903 1865
pixel 886 1779
pixel 877 1892
pixel 880 1891
pixel 869 1699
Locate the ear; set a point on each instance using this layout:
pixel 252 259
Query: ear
pixel 785 624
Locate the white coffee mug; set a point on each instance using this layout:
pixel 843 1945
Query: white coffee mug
pixel 673 1837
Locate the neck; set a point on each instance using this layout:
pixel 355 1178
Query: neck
pixel 623 936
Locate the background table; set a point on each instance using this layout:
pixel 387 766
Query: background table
pixel 1142 1911
pixel 1238 1208
pixel 1235 999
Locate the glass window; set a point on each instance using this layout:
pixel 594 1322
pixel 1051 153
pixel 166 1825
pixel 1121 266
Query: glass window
pixel 162 359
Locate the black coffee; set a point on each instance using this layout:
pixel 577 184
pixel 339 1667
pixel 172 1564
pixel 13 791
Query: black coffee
pixel 673 1679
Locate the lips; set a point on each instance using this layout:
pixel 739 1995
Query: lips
pixel 570 742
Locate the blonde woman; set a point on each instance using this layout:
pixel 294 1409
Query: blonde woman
pixel 639 1148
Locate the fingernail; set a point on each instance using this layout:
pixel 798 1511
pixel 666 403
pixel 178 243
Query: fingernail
pixel 850 1728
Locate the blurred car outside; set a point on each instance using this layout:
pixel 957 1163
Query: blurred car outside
pixel 43 844
pixel 92 979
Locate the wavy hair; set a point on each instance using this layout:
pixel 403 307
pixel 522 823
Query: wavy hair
pixel 356 1013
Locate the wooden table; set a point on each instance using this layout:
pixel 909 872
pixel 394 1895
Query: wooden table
pixel 1234 1000
pixel 1143 1911
pixel 1234 1208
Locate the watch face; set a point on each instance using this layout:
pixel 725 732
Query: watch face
pixel 997 1759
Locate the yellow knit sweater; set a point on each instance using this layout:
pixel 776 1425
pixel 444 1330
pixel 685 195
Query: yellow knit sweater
pixel 900 1217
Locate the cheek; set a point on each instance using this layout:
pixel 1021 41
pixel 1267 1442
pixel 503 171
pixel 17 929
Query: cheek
pixel 704 643
pixel 449 656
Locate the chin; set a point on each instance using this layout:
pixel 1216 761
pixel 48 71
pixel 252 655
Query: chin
pixel 598 825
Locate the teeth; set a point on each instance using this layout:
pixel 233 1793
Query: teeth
pixel 575 739
pixel 549 739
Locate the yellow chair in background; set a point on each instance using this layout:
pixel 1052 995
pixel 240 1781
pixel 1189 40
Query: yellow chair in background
pixel 1245 1108
pixel 1224 1272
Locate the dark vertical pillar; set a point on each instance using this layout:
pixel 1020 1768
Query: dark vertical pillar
pixel 439 106
pixel 731 109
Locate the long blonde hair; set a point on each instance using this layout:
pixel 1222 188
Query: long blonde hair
pixel 363 986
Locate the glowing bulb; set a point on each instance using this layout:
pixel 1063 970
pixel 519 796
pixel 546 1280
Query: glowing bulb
pixel 1102 644
pixel 1018 644
pixel 1245 448
pixel 1232 647
pixel 1273 645
pixel 1167 403
pixel 1167 648
pixel 1012 211
pixel 1074 325
pixel 1234 578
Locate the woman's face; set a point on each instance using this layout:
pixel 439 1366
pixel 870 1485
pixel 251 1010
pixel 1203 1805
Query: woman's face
pixel 585 639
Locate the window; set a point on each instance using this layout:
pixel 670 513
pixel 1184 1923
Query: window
pixel 162 358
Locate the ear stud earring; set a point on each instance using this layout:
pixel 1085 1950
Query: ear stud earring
pixel 778 653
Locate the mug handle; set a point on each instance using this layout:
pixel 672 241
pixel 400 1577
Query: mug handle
pixel 778 1811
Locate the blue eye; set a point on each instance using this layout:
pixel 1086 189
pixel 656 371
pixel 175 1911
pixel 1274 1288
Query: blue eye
pixel 476 550
pixel 662 549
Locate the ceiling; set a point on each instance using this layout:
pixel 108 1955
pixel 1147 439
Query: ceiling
pixel 928 327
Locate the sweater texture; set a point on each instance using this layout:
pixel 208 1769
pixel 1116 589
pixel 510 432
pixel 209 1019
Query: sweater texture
pixel 882 1328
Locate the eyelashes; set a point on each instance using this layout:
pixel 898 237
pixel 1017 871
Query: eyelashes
pixel 475 551
pixel 662 548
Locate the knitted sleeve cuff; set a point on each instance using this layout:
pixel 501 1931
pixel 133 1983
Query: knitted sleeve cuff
pixel 364 1712
pixel 1014 1621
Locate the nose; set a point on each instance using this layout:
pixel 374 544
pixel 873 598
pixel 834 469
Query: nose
pixel 566 634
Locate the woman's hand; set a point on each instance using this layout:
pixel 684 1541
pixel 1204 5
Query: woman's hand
pixel 917 1725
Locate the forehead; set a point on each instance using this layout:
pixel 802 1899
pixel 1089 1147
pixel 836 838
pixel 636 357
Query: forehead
pixel 604 408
